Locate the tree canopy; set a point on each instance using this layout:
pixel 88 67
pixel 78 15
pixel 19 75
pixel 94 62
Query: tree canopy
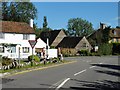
pixel 18 11
pixel 79 27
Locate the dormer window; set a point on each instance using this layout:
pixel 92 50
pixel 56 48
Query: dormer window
pixel 114 32
pixel 26 36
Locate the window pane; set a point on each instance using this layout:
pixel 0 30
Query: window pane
pixel 26 36
pixel 25 49
pixel 13 49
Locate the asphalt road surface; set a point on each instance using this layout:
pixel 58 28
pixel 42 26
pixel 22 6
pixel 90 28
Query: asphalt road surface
pixel 91 73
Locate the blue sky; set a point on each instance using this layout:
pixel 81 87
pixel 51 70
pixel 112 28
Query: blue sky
pixel 58 13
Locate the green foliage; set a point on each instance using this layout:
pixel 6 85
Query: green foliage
pixel 84 52
pixel 116 48
pixel 18 11
pixel 105 49
pixel 105 35
pixel 6 61
pixel 45 23
pixel 34 57
pixel 79 27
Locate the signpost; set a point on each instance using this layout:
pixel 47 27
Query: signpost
pixel 32 44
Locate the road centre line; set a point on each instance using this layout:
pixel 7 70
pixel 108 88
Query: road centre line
pixel 62 84
pixel 92 66
pixel 101 63
pixel 56 84
pixel 79 72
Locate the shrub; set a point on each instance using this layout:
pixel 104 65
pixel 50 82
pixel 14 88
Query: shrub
pixel 35 58
pixel 84 52
pixel 6 61
pixel 116 48
pixel 105 49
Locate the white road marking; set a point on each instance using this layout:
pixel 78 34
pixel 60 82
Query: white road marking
pixel 62 84
pixel 56 84
pixel 92 66
pixel 80 72
pixel 101 63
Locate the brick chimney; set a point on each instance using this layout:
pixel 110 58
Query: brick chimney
pixel 102 25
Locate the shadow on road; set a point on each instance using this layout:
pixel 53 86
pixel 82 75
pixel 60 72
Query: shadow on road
pixel 117 74
pixel 116 67
pixel 97 85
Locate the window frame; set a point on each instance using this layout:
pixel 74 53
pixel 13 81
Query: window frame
pixel 26 36
pixel 25 49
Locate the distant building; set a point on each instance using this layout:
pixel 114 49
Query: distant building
pixel 77 43
pixel 55 37
pixel 115 35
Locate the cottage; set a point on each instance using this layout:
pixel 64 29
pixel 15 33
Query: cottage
pixel 77 43
pixel 55 37
pixel 14 38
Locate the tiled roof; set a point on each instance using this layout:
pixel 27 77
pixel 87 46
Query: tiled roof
pixel 16 27
pixel 69 42
pixel 52 35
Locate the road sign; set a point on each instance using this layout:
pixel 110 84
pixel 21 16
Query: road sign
pixel 32 43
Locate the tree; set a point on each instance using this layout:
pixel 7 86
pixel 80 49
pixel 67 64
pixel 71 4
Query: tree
pixel 45 23
pixel 106 35
pixel 79 27
pixel 18 11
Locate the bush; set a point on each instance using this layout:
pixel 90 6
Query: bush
pixel 35 58
pixel 84 52
pixel 105 49
pixel 6 61
pixel 116 48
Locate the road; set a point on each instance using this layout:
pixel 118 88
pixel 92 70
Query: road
pixel 91 73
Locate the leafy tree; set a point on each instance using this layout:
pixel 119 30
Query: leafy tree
pixel 18 11
pixel 45 23
pixel 79 27
pixel 106 35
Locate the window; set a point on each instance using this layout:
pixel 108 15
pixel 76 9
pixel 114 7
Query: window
pixel 26 36
pixel 84 44
pixel 13 49
pixel 25 49
pixel 2 36
pixel 1 49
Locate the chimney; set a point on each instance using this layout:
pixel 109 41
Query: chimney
pixel 31 23
pixel 102 25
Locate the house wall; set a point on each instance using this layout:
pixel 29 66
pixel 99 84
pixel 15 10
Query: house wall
pixel 82 46
pixel 114 40
pixel 12 38
pixel 59 38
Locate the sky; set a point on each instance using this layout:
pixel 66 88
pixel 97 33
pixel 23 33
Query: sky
pixel 58 13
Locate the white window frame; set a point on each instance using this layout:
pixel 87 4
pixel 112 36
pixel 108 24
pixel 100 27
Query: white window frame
pixel 25 49
pixel 26 36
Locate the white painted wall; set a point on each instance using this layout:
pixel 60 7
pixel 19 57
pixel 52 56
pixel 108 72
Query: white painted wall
pixel 12 38
pixel 40 44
